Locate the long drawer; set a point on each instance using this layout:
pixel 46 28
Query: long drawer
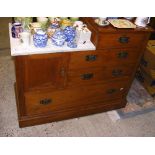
pixel 103 57
pixel 120 40
pixel 101 74
pixel 51 101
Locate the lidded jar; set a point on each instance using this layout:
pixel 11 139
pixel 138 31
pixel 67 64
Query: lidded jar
pixel 40 39
pixel 58 38
pixel 70 33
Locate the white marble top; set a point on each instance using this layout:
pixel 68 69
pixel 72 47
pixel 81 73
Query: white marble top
pixel 18 49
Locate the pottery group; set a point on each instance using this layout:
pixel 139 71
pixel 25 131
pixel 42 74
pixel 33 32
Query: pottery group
pixel 59 30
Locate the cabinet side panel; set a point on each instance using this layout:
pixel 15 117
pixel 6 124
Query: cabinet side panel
pixel 19 86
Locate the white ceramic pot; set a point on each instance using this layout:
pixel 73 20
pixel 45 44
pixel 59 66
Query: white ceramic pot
pixel 142 21
pixel 42 19
pixel 78 24
pixel 25 38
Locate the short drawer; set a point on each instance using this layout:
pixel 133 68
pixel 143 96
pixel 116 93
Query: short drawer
pixel 101 58
pixel 55 101
pixel 93 75
pixel 118 40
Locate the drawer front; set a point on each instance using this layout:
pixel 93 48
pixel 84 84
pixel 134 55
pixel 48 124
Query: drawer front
pixel 93 75
pixel 103 57
pixel 120 40
pixel 48 102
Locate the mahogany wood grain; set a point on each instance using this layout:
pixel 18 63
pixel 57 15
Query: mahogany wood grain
pixel 104 57
pixel 47 70
pixel 64 99
pixel 120 40
pixel 73 112
pixel 99 74
pixel 57 86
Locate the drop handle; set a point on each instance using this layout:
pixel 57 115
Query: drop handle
pixel 87 76
pixel 123 40
pixel 45 101
pixel 117 72
pixel 122 55
pixel 91 57
pixel 111 91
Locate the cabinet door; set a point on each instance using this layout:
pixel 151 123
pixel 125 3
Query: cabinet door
pixel 45 70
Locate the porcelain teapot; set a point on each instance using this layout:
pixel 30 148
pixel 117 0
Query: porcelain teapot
pixel 142 21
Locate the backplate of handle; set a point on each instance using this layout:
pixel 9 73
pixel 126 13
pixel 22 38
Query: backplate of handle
pixel 91 57
pixel 45 101
pixel 111 91
pixel 123 40
pixel 117 72
pixel 87 76
pixel 122 54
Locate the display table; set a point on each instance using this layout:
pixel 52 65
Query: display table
pixel 57 83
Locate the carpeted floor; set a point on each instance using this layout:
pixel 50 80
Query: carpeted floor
pixel 93 125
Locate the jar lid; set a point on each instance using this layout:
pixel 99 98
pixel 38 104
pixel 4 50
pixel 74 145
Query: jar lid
pixel 59 34
pixel 40 32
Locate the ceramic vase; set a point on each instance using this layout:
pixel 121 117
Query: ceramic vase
pixel 58 38
pixel 40 39
pixel 16 29
pixel 70 33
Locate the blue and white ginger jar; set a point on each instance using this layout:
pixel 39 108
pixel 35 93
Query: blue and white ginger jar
pixel 70 33
pixel 58 38
pixel 40 39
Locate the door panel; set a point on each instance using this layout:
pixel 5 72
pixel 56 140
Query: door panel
pixel 47 70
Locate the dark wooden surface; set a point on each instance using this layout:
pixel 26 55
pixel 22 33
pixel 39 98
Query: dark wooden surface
pixel 57 86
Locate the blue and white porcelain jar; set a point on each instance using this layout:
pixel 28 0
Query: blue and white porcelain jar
pixel 16 29
pixel 40 39
pixel 58 38
pixel 70 33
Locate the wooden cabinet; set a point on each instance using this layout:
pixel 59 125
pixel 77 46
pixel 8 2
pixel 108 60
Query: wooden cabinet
pixel 57 86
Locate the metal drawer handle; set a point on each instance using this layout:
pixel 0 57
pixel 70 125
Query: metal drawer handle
pixel 87 76
pixel 45 101
pixel 117 72
pixel 144 62
pixel 111 91
pixel 122 54
pixel 123 40
pixel 91 57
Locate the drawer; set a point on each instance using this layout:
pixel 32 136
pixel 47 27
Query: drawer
pixel 48 102
pixel 103 57
pixel 93 75
pixel 119 40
